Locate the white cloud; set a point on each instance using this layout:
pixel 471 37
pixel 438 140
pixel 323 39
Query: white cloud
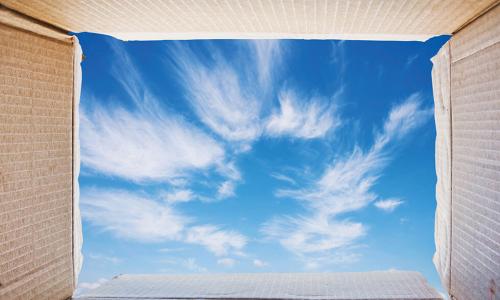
pixel 131 216
pixel 146 144
pixel 388 205
pixel 227 262
pixel 139 218
pixel 218 241
pixel 193 266
pixel 268 54
pixel 86 286
pixel 224 98
pixel 345 186
pixel 259 263
pixel 142 147
pixel 170 250
pixel 226 189
pixel 283 177
pixel 229 170
pixel 339 59
pixel 402 119
pixel 302 119
pixel 180 196
pixel 227 98
pixel 314 234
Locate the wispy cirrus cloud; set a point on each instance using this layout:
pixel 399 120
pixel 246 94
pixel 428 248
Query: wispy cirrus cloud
pixel 283 177
pixel 224 95
pixel 229 97
pixel 147 143
pixel 137 217
pixel 226 189
pixel 388 205
pixel 268 54
pixel 402 119
pixel 346 185
pixel 132 216
pixel 218 241
pixel 305 235
pixel 192 265
pixel 84 287
pixel 259 263
pixel 302 119
pixel 144 146
pixel 180 195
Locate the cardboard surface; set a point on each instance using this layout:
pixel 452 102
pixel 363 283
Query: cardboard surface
pixel 39 166
pixel 345 286
pixel 13 19
pixel 442 116
pixel 208 19
pixel 36 92
pixel 475 100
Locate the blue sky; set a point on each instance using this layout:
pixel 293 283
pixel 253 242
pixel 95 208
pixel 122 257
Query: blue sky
pixel 256 156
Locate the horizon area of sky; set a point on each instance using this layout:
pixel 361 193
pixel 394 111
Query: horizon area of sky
pixel 212 156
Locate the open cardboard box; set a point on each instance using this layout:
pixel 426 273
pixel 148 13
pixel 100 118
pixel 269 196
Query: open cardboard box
pixel 40 75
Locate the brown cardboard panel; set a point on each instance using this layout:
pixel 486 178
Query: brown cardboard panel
pixel 475 97
pixel 36 91
pixel 374 285
pixel 480 34
pixel 14 19
pixel 353 19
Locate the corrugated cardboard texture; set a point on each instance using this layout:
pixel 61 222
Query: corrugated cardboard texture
pixel 481 34
pixel 475 102
pixel 36 90
pixel 341 19
pixel 300 286
pixel 16 20
pixel 442 115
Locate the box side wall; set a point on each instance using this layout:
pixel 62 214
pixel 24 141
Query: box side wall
pixel 36 92
pixel 442 116
pixel 208 19
pixel 475 101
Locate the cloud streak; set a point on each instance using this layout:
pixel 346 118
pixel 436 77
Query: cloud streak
pixel 302 119
pixel 139 218
pixel 84 287
pixel 218 241
pixel 131 216
pixel 388 205
pixel 224 97
pixel 259 263
pixel 345 186
pixel 181 195
pixel 140 146
pixel 269 54
pixel 144 145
